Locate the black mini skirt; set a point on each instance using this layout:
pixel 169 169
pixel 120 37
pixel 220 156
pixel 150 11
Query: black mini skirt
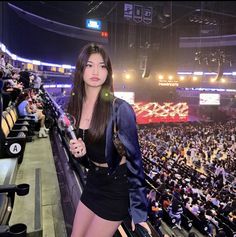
pixel 107 195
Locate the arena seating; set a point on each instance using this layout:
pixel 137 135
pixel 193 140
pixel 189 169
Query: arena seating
pixel 12 143
pixel 7 197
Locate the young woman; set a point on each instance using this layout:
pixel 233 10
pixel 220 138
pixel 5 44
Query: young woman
pixel 115 185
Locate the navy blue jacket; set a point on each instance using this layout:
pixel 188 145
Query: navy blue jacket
pixel 127 132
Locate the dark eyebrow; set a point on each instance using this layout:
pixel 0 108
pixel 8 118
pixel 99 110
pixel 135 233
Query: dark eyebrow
pixel 99 63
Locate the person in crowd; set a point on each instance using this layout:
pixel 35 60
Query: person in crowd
pixel 175 210
pixel 37 81
pixel 205 221
pixel 24 109
pixel 194 208
pixel 2 62
pixel 12 87
pixel 155 212
pixel 115 184
pixel 166 201
pixel 211 221
pixel 221 233
pixel 25 78
pixel 232 216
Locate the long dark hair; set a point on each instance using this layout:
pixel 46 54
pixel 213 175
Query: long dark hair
pixel 23 96
pixel 101 112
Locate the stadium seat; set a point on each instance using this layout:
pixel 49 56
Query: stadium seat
pixel 12 144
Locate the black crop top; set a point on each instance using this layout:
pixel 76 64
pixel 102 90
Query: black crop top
pixel 95 150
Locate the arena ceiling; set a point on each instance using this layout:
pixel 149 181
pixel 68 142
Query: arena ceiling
pixel 170 20
pixel 165 13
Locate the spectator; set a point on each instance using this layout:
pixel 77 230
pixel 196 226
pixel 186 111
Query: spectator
pixel 175 210
pixel 25 110
pixel 24 78
pixel 2 62
pixel 221 234
pixel 37 81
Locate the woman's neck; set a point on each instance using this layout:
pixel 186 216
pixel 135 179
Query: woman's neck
pixel 91 94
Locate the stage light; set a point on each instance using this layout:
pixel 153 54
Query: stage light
pixel 198 73
pixel 203 19
pixel 212 80
pixel 127 76
pixel 223 80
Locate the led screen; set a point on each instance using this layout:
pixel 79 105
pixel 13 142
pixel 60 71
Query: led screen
pixel 209 99
pixel 127 96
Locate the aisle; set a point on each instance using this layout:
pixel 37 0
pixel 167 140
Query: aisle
pixel 38 162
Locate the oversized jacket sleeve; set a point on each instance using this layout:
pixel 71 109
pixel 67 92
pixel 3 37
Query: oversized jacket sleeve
pixel 127 132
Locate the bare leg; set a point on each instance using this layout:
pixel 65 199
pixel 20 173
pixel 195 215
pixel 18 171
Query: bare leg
pixel 42 121
pixel 41 118
pixel 102 228
pixel 82 221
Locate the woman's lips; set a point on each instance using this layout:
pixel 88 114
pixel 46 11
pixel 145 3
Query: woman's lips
pixel 94 78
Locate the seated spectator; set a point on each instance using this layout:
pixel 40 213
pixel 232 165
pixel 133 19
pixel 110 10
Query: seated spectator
pixel 232 216
pixel 154 211
pixel 12 87
pixel 230 206
pixel 166 201
pixel 210 217
pixel 175 210
pixel 194 208
pixel 24 78
pixel 221 234
pixel 25 110
pixel 215 200
pixel 203 217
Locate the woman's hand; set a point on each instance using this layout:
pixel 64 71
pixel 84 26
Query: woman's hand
pixel 143 224
pixel 77 147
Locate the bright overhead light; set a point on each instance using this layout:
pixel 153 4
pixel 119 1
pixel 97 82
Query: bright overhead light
pixel 36 62
pixel 127 76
